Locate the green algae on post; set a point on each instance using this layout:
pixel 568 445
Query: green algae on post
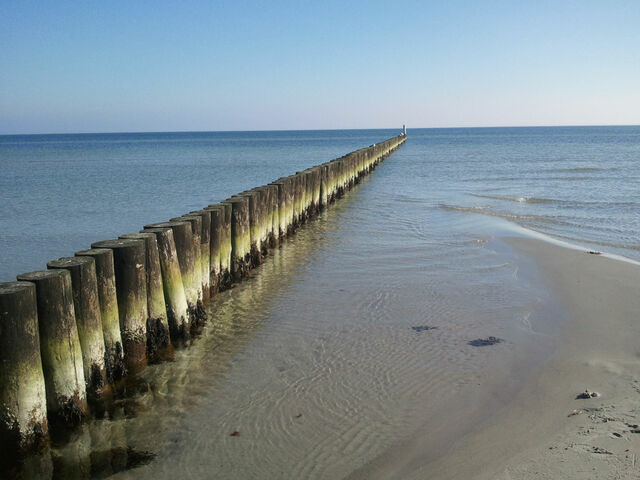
pixel 201 256
pixel 255 218
pixel 110 319
pixel 280 220
pixel 225 247
pixel 88 320
pixel 216 215
pixel 188 253
pixel 221 229
pixel 240 237
pixel 195 223
pixel 205 246
pixel 129 260
pixel 23 404
pixel 176 301
pixel 59 348
pixel 158 342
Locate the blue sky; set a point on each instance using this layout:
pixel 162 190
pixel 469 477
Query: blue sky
pixel 164 66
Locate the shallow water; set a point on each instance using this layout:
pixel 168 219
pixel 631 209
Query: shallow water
pixel 312 367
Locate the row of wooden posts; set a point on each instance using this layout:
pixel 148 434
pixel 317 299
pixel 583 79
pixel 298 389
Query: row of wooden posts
pixel 71 332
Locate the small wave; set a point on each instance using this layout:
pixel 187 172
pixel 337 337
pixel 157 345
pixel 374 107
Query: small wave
pixel 515 199
pixel 522 219
pixel 490 179
pixel 457 208
pixel 602 243
pixel 576 170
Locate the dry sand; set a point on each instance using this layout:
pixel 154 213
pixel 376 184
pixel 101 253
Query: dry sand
pixel 542 430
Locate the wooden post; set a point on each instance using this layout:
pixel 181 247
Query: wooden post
pixel 60 349
pixel 290 192
pixel 23 404
pixel 324 186
pixel 110 319
pixel 187 251
pixel 264 220
pixel 225 248
pixel 240 237
pixel 274 206
pixel 205 246
pixel 216 215
pixel 255 219
pixel 87 309
pixel 280 228
pixel 202 261
pixel 175 299
pixel 195 223
pixel 158 342
pixel 129 260
pixel 309 190
pixel 221 225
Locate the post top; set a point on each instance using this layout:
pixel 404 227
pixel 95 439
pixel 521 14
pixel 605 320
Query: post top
pixel 165 224
pixel 118 243
pixel 43 275
pixel 139 235
pixel 11 288
pixel 94 252
pixel 235 199
pixel 154 230
pixel 70 262
pixel 188 219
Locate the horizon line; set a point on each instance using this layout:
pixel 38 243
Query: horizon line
pixel 317 129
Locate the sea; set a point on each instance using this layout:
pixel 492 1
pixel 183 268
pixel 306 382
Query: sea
pixel 368 324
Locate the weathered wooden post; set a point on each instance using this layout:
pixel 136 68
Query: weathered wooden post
pixel 225 248
pixel 195 223
pixel 59 348
pixel 187 250
pixel 333 181
pixel 23 404
pixel 216 215
pixel 341 177
pixel 129 260
pixel 175 299
pixel 274 228
pixel 308 195
pixel 317 188
pixel 87 309
pixel 298 179
pixel 253 202
pixel 266 218
pixel 286 199
pixel 110 319
pixel 158 342
pixel 280 226
pixel 240 237
pixel 324 186
pixel 221 230
pixel 205 246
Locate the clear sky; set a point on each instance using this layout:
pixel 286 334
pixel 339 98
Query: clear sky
pixel 88 66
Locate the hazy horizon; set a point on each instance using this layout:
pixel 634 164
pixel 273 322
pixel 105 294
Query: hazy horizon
pixel 157 67
pixel 321 129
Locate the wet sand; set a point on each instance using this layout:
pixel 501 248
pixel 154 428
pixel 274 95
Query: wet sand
pixel 543 430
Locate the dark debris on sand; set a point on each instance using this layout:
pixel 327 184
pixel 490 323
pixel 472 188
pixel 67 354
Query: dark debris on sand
pixel 586 395
pixel 484 342
pixel 423 328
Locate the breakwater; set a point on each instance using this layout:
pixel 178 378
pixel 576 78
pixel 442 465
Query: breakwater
pixel 69 334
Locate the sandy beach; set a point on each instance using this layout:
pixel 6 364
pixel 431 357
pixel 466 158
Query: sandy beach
pixel 543 430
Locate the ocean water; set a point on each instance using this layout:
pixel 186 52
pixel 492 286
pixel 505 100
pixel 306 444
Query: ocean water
pixel 359 330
